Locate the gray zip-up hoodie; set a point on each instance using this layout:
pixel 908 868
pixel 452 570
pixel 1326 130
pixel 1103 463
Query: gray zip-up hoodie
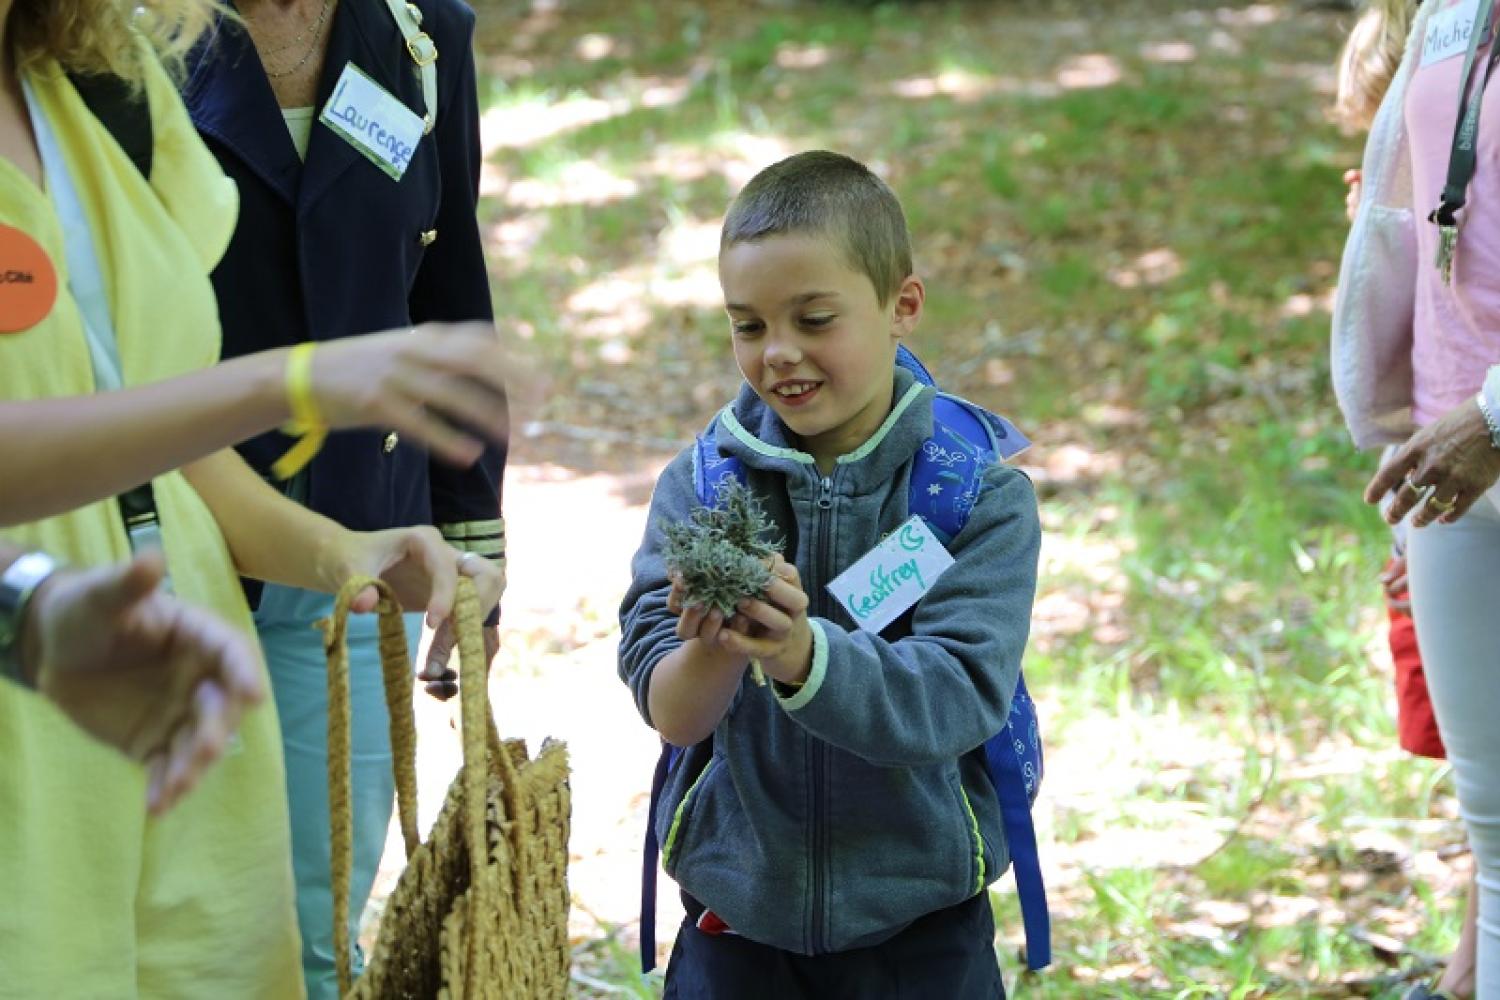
pixel 832 817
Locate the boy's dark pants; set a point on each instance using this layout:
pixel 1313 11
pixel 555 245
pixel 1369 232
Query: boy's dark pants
pixel 947 955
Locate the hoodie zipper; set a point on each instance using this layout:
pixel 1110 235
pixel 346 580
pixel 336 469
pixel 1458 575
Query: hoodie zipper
pixel 820 750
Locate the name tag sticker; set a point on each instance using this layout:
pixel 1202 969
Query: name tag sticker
pixel 1448 32
pixel 28 281
pixel 373 121
pixel 893 576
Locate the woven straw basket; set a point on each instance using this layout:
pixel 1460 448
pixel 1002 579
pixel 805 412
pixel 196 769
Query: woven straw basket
pixel 481 909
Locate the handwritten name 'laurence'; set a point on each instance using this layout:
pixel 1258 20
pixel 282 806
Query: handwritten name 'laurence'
pixel 885 581
pixel 399 152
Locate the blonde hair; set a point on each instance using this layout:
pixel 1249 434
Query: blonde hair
pixel 1369 60
pixel 104 36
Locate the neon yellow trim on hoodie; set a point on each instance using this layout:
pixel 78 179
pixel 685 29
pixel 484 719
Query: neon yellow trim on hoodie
pixel 666 849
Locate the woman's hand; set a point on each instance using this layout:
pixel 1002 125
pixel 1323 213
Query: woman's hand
pixel 441 679
pixel 440 384
pixel 422 571
pixel 160 681
pixel 1440 471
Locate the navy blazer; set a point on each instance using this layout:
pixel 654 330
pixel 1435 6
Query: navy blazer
pixel 335 247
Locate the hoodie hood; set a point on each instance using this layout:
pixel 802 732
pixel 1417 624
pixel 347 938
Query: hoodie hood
pixel 750 430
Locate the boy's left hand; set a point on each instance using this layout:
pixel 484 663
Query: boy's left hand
pixel 773 629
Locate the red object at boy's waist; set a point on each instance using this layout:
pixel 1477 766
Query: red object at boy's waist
pixel 1416 725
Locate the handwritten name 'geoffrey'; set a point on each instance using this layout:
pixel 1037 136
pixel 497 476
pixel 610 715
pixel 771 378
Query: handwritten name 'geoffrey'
pixel 883 583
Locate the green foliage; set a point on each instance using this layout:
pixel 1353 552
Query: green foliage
pixel 721 552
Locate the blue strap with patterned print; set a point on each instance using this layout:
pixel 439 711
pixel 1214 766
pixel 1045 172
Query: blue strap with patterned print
pixel 945 482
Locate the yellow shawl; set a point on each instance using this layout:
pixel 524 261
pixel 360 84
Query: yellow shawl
pixel 102 900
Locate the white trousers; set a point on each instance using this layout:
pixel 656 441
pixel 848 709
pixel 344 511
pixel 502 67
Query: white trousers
pixel 1455 587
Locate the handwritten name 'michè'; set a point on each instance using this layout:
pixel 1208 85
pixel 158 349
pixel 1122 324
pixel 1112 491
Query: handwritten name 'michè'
pixel 1451 33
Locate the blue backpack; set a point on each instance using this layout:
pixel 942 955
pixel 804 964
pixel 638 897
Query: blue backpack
pixel 945 482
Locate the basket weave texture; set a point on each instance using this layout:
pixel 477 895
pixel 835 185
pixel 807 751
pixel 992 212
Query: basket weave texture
pixel 454 929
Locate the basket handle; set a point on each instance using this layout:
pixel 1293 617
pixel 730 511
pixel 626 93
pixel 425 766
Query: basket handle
pixel 396 670
pixel 482 744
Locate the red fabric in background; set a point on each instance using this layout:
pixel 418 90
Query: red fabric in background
pixel 1415 724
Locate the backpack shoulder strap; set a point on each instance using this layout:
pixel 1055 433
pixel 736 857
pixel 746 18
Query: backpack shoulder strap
pixel 906 359
pixel 945 479
pixel 127 115
pixel 711 470
pixel 1013 758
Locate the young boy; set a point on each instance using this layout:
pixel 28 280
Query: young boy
pixel 834 830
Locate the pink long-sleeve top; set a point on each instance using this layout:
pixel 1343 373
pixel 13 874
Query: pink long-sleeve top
pixel 1457 327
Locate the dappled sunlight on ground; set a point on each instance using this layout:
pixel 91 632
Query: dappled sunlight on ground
pixel 1088 71
pixel 793 56
pixel 580 183
pixel 1154 267
pixel 968 87
pixel 529 122
pixel 1169 52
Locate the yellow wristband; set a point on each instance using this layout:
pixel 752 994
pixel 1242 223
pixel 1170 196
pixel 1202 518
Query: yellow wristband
pixel 299 390
pixel 307 422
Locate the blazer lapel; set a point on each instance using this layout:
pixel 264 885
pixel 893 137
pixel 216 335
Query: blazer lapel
pixel 230 100
pixel 363 34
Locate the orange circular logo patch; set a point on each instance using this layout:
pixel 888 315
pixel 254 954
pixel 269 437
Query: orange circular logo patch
pixel 28 281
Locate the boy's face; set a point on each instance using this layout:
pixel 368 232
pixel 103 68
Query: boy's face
pixel 812 339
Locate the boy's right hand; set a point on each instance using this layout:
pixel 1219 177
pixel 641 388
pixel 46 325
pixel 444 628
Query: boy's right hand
pixel 705 624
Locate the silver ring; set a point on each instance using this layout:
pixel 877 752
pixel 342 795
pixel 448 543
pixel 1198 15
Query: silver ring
pixel 464 558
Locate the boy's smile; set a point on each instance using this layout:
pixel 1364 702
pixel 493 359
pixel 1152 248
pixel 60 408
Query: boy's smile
pixel 796 392
pixel 813 340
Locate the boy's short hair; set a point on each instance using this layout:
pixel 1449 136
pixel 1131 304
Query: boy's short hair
pixel 829 194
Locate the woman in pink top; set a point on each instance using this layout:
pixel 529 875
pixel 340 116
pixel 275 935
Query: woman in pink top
pixel 1366 67
pixel 1416 328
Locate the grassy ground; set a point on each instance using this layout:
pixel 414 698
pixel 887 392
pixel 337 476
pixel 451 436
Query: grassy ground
pixel 1129 217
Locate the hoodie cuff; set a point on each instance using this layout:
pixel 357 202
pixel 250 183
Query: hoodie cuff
pixel 809 688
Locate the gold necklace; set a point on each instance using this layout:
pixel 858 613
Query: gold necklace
pixel 316 33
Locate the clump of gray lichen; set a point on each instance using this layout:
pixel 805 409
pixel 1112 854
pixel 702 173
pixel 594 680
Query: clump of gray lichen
pixel 721 552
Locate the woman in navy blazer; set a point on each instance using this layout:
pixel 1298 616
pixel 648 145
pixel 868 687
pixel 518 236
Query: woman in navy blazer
pixel 331 245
